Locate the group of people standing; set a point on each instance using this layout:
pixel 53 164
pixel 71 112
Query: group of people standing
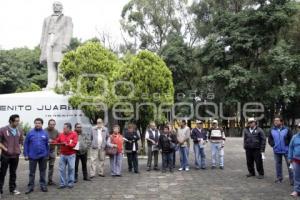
pixel 285 146
pixel 41 146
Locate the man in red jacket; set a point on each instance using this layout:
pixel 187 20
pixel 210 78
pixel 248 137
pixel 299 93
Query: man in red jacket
pixel 68 140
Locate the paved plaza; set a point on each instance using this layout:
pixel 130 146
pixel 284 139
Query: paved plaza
pixel 230 183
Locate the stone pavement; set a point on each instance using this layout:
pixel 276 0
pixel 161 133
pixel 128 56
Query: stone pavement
pixel 208 184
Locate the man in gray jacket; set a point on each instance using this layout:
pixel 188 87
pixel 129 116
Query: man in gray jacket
pixel 99 137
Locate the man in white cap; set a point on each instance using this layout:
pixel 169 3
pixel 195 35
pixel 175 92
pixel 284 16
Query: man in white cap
pixel 199 137
pixel 216 137
pixel 254 144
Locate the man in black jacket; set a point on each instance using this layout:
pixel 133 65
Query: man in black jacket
pixel 254 144
pixel 131 138
pixel 166 144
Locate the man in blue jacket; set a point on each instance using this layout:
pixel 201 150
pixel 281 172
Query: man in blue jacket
pixel 279 138
pixel 36 150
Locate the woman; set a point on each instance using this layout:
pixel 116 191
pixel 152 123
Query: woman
pixel 116 141
pixel 166 145
pixel 173 133
pixel 294 159
pixel 131 138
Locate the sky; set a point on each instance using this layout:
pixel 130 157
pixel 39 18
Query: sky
pixel 21 20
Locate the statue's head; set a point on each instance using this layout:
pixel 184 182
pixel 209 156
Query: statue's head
pixel 57 7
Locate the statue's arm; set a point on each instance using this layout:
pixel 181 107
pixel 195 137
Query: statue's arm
pixel 69 32
pixel 43 34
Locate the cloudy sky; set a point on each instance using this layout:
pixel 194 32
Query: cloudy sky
pixel 21 20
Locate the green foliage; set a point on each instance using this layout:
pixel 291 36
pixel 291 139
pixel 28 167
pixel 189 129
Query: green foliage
pixel 90 71
pixel 19 68
pixel 31 88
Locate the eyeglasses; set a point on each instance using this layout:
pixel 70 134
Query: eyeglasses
pixel 78 127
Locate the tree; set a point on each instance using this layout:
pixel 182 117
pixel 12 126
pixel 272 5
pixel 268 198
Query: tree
pixel 237 56
pixel 90 71
pixel 150 22
pixel 93 74
pixel 152 84
pixel 19 68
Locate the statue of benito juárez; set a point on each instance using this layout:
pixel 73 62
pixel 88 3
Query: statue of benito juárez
pixel 56 37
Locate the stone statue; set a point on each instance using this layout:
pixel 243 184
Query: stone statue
pixel 56 37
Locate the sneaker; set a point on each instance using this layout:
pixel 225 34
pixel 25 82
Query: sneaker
pixel 61 187
pixel 148 169
pixel 187 169
pixel 279 180
pixel 213 167
pixel 29 191
pixel 221 167
pixel 15 192
pixel 250 175
pixel 260 176
pixel 44 189
pixel 294 194
pixel 180 169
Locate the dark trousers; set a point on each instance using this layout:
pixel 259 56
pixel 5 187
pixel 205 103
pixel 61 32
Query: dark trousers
pixel 167 160
pixel 174 158
pixel 12 163
pixel 132 160
pixel 254 156
pixel 42 162
pixel 83 158
pixel 150 155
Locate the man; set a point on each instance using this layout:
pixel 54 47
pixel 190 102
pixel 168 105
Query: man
pixel 183 137
pixel 56 37
pixel 216 137
pixel 199 137
pixel 52 134
pixel 131 138
pixel 11 138
pixel 84 143
pixel 294 160
pixel 152 136
pixel 279 138
pixel 254 145
pixel 99 138
pixel 36 150
pixel 167 147
pixel 67 141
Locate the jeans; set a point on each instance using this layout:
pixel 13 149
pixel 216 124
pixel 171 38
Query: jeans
pixel 217 153
pixel 167 161
pixel 278 166
pixel 12 163
pixel 51 168
pixel 116 164
pixel 132 160
pixel 67 161
pixel 296 167
pixel 42 162
pixel 199 156
pixel 83 158
pixel 184 160
pixel 254 156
